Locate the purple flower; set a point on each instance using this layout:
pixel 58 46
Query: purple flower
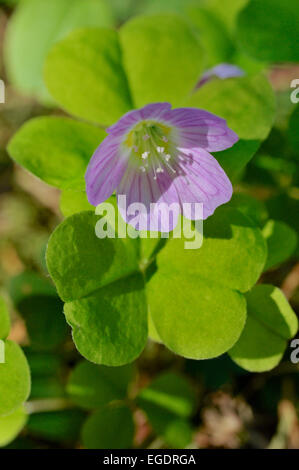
pixel 221 71
pixel 161 155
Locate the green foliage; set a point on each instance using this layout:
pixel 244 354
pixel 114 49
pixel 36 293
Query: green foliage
pixel 201 294
pixel 175 59
pixel 215 38
pixel 250 206
pixel 270 324
pixel 105 297
pixel 234 159
pixel 268 30
pixel 85 76
pixel 293 129
pixel 247 103
pixel 91 386
pixel 4 319
pixel 57 150
pixel 14 379
pixel 11 425
pixel 281 241
pixel 44 320
pixel 168 403
pixel 61 426
pixel 111 427
pixel 38 24
pixel 29 283
pixel 74 201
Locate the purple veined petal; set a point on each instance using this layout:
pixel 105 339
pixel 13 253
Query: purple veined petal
pixel 143 188
pixel 105 170
pixel 151 111
pixel 199 128
pixel 221 71
pixel 202 181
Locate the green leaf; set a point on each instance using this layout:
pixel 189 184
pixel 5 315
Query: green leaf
pixel 44 321
pixel 35 26
pixel 80 263
pixel 227 11
pixel 233 252
pixel 250 206
pixel 281 240
pixel 92 386
pixel 165 6
pixel 247 103
pixel 109 428
pixel 72 202
pixel 234 159
pixel 56 150
pixel 14 379
pixel 43 364
pixel 57 426
pixel 168 403
pixel 11 425
pixel 270 324
pixel 216 41
pixel 293 136
pixel 170 392
pixel 4 319
pixel 100 280
pixel 110 326
pixel 193 298
pixel 84 74
pixel 29 283
pixel 269 30
pixel 46 387
pixel 162 58
pixel 195 318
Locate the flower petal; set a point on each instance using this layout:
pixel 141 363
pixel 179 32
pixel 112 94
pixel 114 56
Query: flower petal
pixel 221 71
pixel 199 128
pixel 151 111
pixel 143 188
pixel 105 170
pixel 203 181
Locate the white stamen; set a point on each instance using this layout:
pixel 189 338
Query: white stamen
pixel 145 155
pixel 160 149
pixel 170 167
pixel 142 169
pixel 167 157
pixel 160 170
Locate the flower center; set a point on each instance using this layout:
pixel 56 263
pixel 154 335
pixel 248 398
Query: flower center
pixel 151 147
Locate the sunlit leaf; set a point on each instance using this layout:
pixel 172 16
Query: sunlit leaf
pixel 84 74
pixel 35 26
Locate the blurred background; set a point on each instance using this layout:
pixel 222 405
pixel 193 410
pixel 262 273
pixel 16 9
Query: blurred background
pixel 231 408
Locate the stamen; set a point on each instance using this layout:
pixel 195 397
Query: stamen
pixel 145 155
pixel 160 149
pixel 170 167
pixel 164 138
